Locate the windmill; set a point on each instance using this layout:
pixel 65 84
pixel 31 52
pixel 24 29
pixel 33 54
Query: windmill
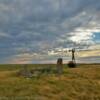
pixel 72 63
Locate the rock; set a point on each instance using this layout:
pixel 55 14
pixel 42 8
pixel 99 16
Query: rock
pixel 60 66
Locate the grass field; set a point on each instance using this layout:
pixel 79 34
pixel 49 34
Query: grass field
pixel 81 83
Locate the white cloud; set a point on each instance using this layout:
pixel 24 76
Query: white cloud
pixel 80 36
pixel 25 58
pixel 5 35
pixel 94 47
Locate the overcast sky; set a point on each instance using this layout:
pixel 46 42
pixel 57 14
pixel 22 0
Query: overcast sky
pixel 40 31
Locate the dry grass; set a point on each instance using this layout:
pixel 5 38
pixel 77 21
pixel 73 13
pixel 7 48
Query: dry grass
pixel 82 83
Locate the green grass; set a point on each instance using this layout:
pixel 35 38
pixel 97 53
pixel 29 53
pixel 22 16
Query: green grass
pixel 81 83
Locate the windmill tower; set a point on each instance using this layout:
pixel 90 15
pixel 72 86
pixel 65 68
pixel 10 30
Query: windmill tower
pixel 72 63
pixel 73 54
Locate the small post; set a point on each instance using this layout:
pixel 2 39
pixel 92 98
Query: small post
pixel 26 72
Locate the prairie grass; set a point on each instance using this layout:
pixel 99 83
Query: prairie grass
pixel 81 83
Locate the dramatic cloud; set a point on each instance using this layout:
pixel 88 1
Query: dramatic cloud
pixel 46 28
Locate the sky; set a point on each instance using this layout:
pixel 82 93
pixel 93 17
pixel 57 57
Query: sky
pixel 40 31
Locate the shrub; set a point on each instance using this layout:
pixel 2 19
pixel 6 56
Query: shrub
pixel 71 64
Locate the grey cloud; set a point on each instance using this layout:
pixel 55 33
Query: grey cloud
pixel 41 25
